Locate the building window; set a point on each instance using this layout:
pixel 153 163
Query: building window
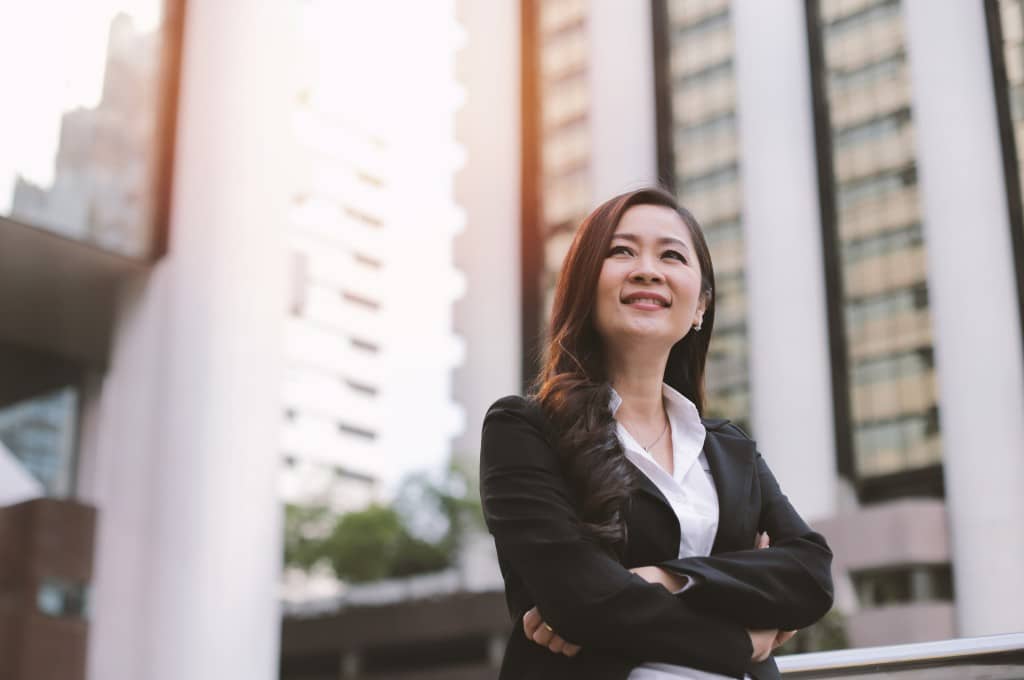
pixel 59 598
pixel 367 261
pixel 362 388
pixel 85 148
pixel 362 432
pixel 364 217
pixel 368 178
pixel 41 434
pixel 365 345
pixel 361 300
pixel 903 585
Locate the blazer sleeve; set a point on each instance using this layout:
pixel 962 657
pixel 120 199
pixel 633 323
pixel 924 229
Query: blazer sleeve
pixel 786 586
pixel 586 596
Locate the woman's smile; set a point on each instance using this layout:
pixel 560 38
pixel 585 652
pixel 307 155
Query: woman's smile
pixel 647 301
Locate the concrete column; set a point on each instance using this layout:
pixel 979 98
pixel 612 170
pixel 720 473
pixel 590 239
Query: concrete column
pixel 487 316
pixel 786 306
pixel 973 307
pixel 623 139
pixel 183 449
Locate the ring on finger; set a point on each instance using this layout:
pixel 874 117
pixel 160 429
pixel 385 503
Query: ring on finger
pixel 549 627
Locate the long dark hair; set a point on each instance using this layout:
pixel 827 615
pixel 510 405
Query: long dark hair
pixel 572 387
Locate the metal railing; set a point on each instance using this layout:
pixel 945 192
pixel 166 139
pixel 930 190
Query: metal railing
pixel 994 657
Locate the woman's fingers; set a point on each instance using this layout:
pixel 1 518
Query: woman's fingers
pixel 783 637
pixel 537 631
pixel 531 622
pixel 557 644
pixel 762 641
pixel 543 635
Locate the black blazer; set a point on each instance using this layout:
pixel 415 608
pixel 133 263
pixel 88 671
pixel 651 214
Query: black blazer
pixel 619 619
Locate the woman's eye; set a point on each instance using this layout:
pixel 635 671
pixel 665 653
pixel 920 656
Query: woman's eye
pixel 674 253
pixel 620 249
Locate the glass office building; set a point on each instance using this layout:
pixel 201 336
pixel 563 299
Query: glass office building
pixel 889 363
pixel 700 160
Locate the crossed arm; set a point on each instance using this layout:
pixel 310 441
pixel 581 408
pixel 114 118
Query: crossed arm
pixel 585 595
pixel 764 641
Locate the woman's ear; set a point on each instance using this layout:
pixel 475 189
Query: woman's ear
pixel 702 306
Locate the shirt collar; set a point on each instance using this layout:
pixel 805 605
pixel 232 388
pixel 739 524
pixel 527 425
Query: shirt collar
pixel 679 408
pixel 688 435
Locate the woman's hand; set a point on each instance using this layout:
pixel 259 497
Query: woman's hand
pixel 538 631
pixel 651 574
pixel 781 636
pixel 763 642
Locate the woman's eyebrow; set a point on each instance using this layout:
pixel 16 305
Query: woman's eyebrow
pixel 661 241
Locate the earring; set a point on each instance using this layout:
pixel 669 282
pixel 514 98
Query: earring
pixel 697 327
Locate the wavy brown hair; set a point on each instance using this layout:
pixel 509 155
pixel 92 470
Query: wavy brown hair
pixel 572 387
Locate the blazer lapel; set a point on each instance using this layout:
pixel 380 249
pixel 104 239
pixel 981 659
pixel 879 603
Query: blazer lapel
pixel 646 485
pixel 731 460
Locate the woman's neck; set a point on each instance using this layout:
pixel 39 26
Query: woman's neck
pixel 637 378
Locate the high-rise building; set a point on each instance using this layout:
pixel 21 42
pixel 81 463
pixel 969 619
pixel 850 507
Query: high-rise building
pixel 699 159
pixel 371 348
pixel 854 166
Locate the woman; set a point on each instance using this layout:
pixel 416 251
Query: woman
pixel 627 526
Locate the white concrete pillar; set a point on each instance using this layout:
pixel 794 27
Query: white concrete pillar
pixel 790 373
pixel 623 124
pixel 487 316
pixel 973 306
pixel 184 442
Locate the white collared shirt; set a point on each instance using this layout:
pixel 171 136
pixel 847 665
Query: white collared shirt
pixel 690 491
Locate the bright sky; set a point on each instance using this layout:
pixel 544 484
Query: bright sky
pixel 52 55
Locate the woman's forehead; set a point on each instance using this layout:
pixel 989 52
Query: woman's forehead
pixel 653 221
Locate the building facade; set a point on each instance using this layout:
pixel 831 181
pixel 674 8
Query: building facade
pixel 142 297
pixel 370 233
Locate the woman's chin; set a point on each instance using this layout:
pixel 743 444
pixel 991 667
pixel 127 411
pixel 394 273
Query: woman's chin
pixel 647 335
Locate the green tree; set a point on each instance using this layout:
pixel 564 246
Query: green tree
pixel 305 528
pixel 827 634
pixel 364 545
pixel 421 531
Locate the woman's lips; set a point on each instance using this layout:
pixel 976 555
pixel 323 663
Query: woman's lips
pixel 647 301
pixel 645 305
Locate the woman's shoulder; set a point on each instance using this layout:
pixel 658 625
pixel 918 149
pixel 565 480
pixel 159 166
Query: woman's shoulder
pixel 518 407
pixel 516 423
pixel 729 427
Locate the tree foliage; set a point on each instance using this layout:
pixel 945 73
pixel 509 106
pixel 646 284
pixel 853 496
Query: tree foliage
pixel 827 634
pixel 421 531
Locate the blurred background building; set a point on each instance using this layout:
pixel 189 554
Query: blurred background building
pixel 143 288
pixel 370 345
pixel 285 254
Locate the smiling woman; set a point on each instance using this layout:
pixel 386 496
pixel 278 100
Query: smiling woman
pixel 637 539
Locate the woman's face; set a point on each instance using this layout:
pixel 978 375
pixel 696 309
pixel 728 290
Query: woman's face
pixel 649 287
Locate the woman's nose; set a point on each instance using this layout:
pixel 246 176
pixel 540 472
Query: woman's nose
pixel 645 271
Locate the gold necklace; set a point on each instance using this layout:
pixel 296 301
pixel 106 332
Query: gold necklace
pixel 647 449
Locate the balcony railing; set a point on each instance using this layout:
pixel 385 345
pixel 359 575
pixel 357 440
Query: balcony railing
pixel 994 657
